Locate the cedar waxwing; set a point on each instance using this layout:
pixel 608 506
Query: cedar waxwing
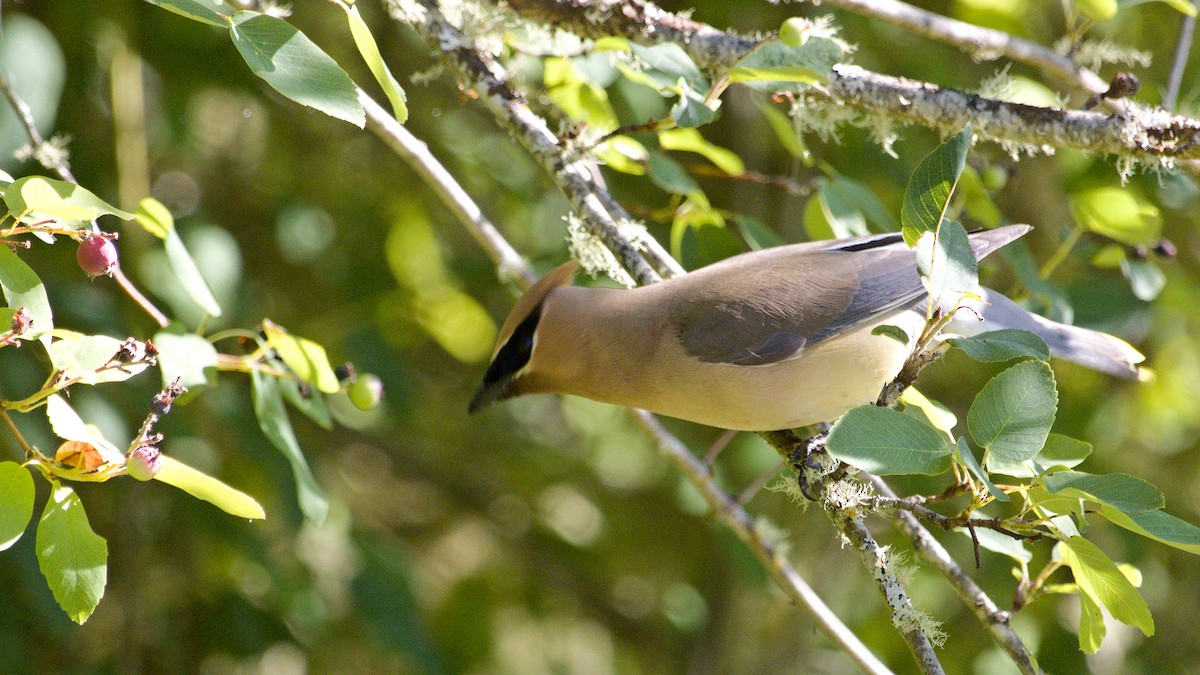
pixel 768 340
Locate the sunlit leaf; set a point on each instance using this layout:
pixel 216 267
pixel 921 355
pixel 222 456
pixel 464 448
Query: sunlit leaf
pixel 887 442
pixel 211 12
pixel 16 502
pixel 1159 526
pixel 187 357
pixel 56 200
pixel 1012 415
pixel 190 279
pixel 690 140
pixel 785 131
pixel 305 358
pixel 202 486
pixel 72 557
pixel 23 288
pixel 1115 213
pixel 370 53
pixel 68 426
pixel 1098 577
pixel 947 264
pixel 624 154
pixel 774 63
pixel 1091 625
pixel 274 422
pixel 294 66
pixel 931 186
pixel 155 217
pixel 81 357
pixel 309 402
pixel 997 542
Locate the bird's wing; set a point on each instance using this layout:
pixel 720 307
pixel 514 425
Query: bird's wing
pixel 771 308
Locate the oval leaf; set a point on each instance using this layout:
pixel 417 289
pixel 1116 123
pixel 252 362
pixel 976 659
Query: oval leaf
pixel 73 558
pixel 16 502
pixel 1012 415
pixel 887 442
pixel 303 357
pixel 188 357
pixel 190 278
pixel 203 486
pixel 931 185
pixel 1059 450
pixel 57 200
pixel 370 53
pixel 274 422
pixel 294 66
pixel 1121 491
pixel 1005 344
pixel 1099 577
pixel 1159 526
pixel 23 288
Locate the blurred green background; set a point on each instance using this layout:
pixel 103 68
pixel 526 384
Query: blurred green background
pixel 545 535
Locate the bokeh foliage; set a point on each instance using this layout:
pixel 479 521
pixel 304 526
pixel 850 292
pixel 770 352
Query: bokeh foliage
pixel 546 535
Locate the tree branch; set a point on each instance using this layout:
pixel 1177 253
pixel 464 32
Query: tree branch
pixel 572 174
pixel 933 553
pixel 1140 133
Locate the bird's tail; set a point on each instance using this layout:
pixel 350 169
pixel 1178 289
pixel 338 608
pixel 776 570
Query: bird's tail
pixel 1088 348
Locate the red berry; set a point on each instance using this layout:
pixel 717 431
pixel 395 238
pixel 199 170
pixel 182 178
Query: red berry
pixel 97 255
pixel 144 462
pixel 366 392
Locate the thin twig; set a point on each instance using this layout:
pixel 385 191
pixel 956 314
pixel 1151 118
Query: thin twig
pixel 979 602
pixel 12 427
pixel 25 117
pixel 1183 47
pixel 133 292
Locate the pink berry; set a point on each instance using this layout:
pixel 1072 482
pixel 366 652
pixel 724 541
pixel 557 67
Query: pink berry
pixel 144 462
pixel 97 255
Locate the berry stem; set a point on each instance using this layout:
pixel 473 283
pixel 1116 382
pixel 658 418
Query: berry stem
pixel 133 292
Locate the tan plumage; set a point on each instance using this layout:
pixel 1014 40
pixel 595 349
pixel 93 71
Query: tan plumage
pixel 768 340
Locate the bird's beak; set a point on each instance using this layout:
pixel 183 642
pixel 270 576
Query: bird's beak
pixel 491 391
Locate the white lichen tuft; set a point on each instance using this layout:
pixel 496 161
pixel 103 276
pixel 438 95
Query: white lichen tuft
pixel 1093 54
pixel 592 254
pixel 790 488
pixel 999 86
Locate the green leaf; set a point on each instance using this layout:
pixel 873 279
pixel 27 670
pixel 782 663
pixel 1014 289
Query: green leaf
pixel 862 199
pixel 936 414
pixel 1012 415
pixel 311 404
pixel 1005 344
pixel 294 66
pixel 154 217
pixel 1115 213
pixel 757 234
pixel 16 502
pixel 274 422
pixel 56 200
pixel 785 131
pixel 72 557
pixel 997 542
pixel 211 12
pixel 1098 577
pixel 1118 490
pixel 886 442
pixel 690 140
pixel 670 175
pixel 624 154
pixel 69 426
pixel 1059 450
pixel 665 64
pixel 186 356
pixel 23 288
pixel 774 63
pixel 931 185
pixel 945 260
pixel 1091 625
pixel 691 110
pixel 81 356
pixel 1181 6
pixel 1146 280
pixel 1097 10
pixel 370 53
pixel 1159 526
pixel 581 99
pixel 190 278
pixel 963 452
pixel 844 217
pixel 303 357
pixel 203 486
